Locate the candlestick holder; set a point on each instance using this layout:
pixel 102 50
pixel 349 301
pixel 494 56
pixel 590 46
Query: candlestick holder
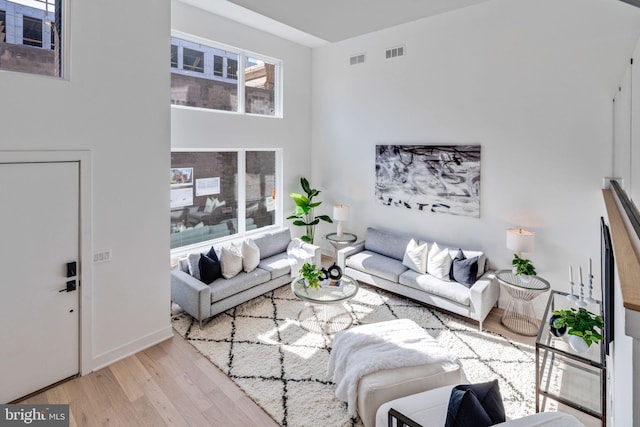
pixel 571 296
pixel 590 298
pixel 580 301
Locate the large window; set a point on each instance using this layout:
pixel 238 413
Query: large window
pixel 217 194
pixel 31 32
pixel 205 75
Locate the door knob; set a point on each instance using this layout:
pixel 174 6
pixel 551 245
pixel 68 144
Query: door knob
pixel 71 286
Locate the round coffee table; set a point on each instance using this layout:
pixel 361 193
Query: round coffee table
pixel 519 315
pixel 323 311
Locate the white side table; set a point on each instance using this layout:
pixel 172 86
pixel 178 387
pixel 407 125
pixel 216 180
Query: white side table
pixel 519 315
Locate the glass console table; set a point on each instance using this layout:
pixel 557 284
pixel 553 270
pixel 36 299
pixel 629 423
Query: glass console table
pixel 574 379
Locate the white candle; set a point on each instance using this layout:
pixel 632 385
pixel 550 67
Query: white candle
pixel 581 275
pixel 570 274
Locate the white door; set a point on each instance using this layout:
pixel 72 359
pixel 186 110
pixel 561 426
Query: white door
pixel 39 319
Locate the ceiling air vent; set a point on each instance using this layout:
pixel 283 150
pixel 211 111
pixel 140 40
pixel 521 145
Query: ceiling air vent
pixel 394 52
pixel 356 59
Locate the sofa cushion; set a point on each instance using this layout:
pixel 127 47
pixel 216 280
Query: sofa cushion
pixel 209 267
pixel 231 261
pixel 415 256
pixel 377 265
pixel 250 255
pixel 224 288
pixel 273 243
pixel 193 263
pixel 453 291
pixel 439 262
pixel 278 265
pixel 386 243
pixel 475 405
pixel 482 260
pixel 464 270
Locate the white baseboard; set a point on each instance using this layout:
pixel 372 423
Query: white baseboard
pixel 126 350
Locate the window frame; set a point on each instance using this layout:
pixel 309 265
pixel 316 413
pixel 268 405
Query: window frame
pixel 243 54
pixel 33 23
pixel 278 224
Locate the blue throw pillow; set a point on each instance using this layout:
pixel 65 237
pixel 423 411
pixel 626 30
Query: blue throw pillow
pixel 209 267
pixel 464 270
pixel 475 405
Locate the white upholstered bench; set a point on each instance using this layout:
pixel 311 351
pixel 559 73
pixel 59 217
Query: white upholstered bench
pixel 376 363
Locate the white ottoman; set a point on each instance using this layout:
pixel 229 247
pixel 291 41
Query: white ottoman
pixel 384 361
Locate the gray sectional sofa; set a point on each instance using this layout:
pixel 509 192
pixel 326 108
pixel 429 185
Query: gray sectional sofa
pixel 378 261
pixel 274 270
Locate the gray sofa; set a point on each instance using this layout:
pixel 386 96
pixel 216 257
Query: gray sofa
pixel 274 270
pixel 378 261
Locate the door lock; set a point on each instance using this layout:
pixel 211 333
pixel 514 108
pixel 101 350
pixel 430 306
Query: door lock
pixel 71 286
pixel 72 269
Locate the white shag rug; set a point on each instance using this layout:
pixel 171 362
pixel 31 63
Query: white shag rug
pixel 283 367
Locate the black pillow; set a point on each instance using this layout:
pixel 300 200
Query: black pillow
pixel 209 267
pixel 464 270
pixel 475 405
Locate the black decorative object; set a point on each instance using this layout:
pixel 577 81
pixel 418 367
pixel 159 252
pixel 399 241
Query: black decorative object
pixel 558 332
pixel 334 272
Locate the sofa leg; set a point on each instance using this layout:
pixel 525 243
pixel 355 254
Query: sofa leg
pixel 200 324
pixel 480 327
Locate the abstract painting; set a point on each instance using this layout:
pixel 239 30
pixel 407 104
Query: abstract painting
pixel 437 178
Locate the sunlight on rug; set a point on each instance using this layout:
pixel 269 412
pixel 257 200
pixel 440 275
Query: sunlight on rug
pixel 282 367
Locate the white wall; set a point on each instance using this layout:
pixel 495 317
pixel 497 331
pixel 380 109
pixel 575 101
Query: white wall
pixel 192 128
pixel 115 104
pixel 532 82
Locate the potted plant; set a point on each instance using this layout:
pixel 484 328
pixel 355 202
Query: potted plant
pixel 311 275
pixel 584 328
pixel 523 267
pixel 303 215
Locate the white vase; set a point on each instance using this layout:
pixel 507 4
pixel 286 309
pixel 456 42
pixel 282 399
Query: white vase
pixel 577 344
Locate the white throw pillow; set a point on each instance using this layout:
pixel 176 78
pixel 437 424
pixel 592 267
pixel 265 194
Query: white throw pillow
pixel 193 261
pixel 415 256
pixel 230 261
pixel 439 262
pixel 208 205
pixel 250 255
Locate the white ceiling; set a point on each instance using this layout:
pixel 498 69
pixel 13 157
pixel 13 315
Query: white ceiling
pixel 318 22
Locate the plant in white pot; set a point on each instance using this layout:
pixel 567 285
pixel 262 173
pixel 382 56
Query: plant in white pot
pixel 584 328
pixel 523 268
pixel 312 275
pixel 303 215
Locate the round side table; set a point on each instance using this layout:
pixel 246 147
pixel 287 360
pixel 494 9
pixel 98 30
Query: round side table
pixel 519 315
pixel 339 242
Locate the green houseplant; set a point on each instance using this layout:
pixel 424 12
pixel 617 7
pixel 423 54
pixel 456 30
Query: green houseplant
pixel 311 275
pixel 580 323
pixel 523 266
pixel 303 215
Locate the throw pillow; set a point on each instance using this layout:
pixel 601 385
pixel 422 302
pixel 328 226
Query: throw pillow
pixel 208 205
pixel 464 270
pixel 475 405
pixel 230 261
pixel 415 257
pixel 250 255
pixel 209 268
pixel 439 262
pixel 193 262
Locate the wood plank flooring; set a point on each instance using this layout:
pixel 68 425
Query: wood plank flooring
pixel 172 384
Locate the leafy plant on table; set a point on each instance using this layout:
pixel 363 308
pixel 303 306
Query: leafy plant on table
pixel 523 266
pixel 581 323
pixel 311 275
pixel 303 215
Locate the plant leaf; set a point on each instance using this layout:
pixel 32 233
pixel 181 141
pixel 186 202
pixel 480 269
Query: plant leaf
pixel 325 218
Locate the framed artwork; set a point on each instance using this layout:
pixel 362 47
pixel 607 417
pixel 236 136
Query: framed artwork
pixel 181 176
pixel 436 178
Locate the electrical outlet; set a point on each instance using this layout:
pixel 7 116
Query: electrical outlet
pixel 102 256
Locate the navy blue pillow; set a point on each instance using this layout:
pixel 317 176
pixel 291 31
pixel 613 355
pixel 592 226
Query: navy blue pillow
pixel 475 405
pixel 464 270
pixel 209 265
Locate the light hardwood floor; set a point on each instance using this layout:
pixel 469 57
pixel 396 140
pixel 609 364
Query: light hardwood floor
pixel 172 384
